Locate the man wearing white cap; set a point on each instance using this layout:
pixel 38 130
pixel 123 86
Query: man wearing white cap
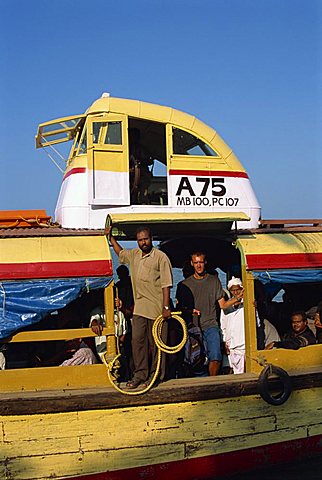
pixel 232 326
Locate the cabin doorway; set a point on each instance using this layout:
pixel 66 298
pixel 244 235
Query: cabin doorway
pixel 147 162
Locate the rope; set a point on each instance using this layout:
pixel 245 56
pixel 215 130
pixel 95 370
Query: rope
pixel 112 366
pixel 31 221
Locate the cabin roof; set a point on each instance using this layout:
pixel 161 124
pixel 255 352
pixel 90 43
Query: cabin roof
pixel 160 113
pixel 296 249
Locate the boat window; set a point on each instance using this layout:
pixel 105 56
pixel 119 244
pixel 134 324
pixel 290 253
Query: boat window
pixel 67 124
pixel 185 143
pixel 278 294
pixel 147 162
pixel 108 133
pixel 58 131
pixel 83 144
pixel 80 147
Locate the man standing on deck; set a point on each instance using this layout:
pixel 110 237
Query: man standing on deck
pixel 232 327
pixel 207 290
pixel 151 275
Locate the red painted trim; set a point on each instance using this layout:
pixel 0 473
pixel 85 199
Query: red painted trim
pixel 288 260
pixel 199 173
pixel 74 170
pixel 90 268
pixel 204 173
pixel 214 466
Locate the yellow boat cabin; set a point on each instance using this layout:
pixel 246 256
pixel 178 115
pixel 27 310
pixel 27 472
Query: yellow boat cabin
pixel 133 157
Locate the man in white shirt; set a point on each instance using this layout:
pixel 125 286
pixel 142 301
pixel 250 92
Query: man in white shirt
pixel 232 326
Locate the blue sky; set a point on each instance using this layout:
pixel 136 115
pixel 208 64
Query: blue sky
pixel 249 68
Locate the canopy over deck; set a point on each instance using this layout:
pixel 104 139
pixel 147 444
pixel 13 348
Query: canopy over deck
pixel 46 271
pixel 170 225
pixel 54 257
pixel 281 250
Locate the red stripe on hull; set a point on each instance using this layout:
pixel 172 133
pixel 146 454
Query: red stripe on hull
pixel 203 173
pixel 213 466
pixel 91 268
pixel 290 260
pixel 74 170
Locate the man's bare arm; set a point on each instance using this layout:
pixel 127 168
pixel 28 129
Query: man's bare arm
pixel 166 312
pixel 116 246
pixel 229 303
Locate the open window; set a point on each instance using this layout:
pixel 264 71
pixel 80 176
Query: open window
pixel 148 162
pixel 59 130
pixel 184 143
pixel 280 293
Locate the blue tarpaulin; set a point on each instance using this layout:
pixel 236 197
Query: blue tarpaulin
pixel 289 276
pixel 24 303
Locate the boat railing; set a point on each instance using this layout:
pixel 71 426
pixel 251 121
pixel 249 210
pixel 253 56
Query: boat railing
pixel 284 223
pixel 52 335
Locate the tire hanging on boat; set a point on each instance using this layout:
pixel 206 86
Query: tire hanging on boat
pixel 264 388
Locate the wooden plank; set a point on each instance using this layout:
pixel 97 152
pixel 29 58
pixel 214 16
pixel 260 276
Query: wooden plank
pixel 63 465
pixel 54 378
pixel 193 389
pixel 44 335
pixel 241 442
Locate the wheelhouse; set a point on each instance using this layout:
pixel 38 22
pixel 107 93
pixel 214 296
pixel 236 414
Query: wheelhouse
pixel 188 167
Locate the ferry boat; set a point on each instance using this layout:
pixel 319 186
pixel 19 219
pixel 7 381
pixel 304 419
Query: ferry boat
pixel 71 422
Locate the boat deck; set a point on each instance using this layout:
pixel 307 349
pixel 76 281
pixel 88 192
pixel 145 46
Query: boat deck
pixel 172 391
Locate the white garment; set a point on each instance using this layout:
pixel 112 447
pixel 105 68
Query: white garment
pixel 98 314
pixel 83 356
pixel 233 330
pixel 234 282
pixel 100 341
pixel 237 361
pixel 271 334
pixel 2 361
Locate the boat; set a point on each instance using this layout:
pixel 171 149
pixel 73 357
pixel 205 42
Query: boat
pixel 72 422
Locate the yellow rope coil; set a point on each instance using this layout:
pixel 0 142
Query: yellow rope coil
pixel 161 346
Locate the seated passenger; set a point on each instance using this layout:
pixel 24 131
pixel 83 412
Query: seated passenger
pixel 81 354
pixel 318 323
pixel 97 323
pixel 140 174
pixel 74 352
pixel 271 334
pixel 299 336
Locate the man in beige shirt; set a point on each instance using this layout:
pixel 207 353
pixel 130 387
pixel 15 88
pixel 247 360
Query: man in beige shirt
pixel 151 275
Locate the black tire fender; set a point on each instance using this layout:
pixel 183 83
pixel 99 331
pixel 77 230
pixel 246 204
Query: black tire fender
pixel 263 385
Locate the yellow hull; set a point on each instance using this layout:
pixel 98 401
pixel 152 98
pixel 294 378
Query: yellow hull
pixel 91 441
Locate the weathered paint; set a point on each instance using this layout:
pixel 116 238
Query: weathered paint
pixel 281 250
pixel 219 465
pixel 88 442
pixel 54 257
